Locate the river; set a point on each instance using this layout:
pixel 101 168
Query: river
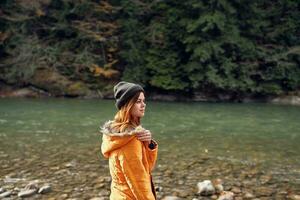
pixel 250 147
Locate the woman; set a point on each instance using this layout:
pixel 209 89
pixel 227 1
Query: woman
pixel 129 147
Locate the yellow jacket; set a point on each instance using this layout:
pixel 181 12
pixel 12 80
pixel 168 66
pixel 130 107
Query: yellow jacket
pixel 130 163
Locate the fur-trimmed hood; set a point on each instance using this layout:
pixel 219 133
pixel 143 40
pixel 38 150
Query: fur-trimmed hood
pixel 108 130
pixel 112 139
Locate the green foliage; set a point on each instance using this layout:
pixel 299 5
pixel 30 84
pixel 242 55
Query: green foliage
pixel 240 47
pixel 66 36
pixel 234 46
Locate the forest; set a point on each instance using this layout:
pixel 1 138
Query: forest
pixel 73 48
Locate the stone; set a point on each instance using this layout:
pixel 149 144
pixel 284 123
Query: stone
pixel 168 173
pixel 8 179
pixel 293 197
pixel 236 190
pixel 265 179
pixel 73 163
pixel 226 196
pixel 99 185
pixel 45 189
pixel 264 191
pixel 63 196
pixel 171 198
pixel 238 198
pixel 283 192
pixel 104 193
pixel 158 189
pixel 289 100
pixel 26 192
pixel 248 183
pixel 32 185
pixel 248 195
pixel 205 188
pixel 5 194
pixel 183 193
pixel 218 186
pixel 252 173
pixel 227 187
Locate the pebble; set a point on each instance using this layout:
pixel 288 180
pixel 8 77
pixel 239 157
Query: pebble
pixel 8 179
pixel 236 190
pixel 32 185
pixel 238 198
pixel 26 192
pixel 99 185
pixel 64 196
pixel 168 173
pixel 218 186
pixel 5 194
pixel 248 183
pixel 205 188
pixel 180 193
pixel 294 197
pixel 45 189
pixel 283 192
pixel 171 198
pixel 248 195
pixel 264 191
pixel 226 196
pixel 158 189
pixel 71 164
pixel 265 179
pixel 104 193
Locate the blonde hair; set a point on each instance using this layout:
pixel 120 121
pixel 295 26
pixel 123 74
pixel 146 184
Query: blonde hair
pixel 123 119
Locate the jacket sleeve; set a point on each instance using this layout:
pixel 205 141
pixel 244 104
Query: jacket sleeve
pixel 152 153
pixel 135 173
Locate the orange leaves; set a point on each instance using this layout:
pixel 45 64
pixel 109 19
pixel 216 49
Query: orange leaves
pixel 100 71
pixel 103 7
pixel 39 12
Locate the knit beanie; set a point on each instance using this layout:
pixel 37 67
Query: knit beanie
pixel 124 91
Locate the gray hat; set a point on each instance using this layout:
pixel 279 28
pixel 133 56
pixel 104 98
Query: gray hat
pixel 124 91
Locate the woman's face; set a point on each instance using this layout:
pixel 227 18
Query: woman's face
pixel 138 110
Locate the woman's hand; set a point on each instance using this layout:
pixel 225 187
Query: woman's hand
pixel 144 136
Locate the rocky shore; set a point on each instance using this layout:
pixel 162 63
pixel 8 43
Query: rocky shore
pixel 202 179
pixel 77 90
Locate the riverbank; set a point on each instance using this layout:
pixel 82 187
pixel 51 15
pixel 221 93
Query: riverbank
pixel 34 92
pixel 83 179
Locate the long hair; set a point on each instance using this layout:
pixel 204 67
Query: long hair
pixel 123 119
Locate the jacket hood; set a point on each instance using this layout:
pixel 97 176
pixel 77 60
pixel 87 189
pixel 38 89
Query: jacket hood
pixel 112 139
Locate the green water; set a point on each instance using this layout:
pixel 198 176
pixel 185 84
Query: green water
pixel 38 135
